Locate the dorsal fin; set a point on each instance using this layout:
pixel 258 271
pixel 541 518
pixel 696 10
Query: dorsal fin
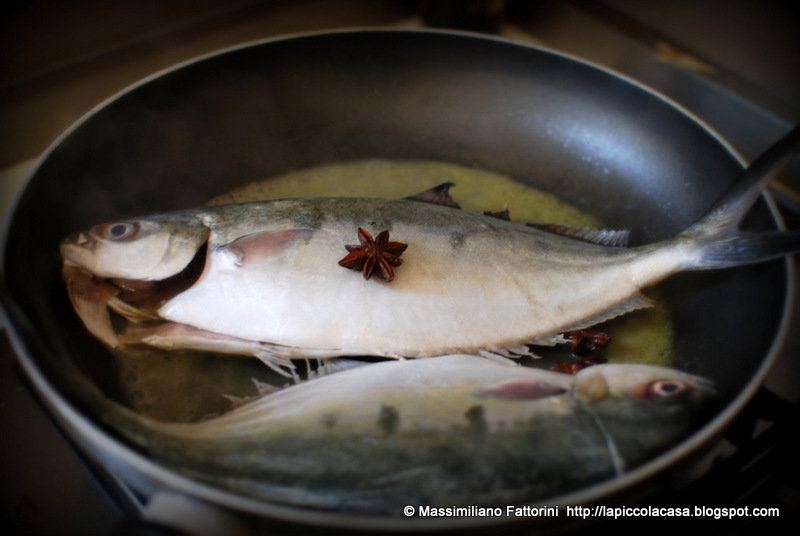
pixel 504 214
pixel 602 237
pixel 438 195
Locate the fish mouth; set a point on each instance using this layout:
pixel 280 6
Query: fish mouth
pixel 72 246
pixel 82 240
pixel 135 301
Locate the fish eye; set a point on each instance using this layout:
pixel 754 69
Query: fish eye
pixel 117 231
pixel 666 389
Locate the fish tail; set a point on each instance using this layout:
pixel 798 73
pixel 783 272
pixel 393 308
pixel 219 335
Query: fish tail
pixel 748 248
pixel 721 242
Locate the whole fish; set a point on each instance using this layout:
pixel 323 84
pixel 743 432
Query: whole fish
pixel 456 430
pixel 267 279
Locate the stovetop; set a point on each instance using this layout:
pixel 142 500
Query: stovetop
pixel 726 62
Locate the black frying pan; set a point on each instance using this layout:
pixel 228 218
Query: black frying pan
pixel 602 142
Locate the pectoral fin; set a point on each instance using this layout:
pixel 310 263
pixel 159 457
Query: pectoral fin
pixel 252 247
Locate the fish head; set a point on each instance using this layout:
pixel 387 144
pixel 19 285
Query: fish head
pixel 644 409
pixel 146 249
pixel 137 255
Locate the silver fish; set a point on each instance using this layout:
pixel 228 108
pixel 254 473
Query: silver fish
pixel 270 284
pixel 456 430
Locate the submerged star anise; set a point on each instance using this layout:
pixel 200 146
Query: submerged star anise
pixel 584 342
pixel 374 257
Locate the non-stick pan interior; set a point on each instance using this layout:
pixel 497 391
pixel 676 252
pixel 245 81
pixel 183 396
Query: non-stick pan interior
pixel 601 142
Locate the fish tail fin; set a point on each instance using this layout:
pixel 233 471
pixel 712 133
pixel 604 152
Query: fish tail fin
pixel 722 243
pixel 748 248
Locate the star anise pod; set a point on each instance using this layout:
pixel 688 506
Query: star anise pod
pixel 376 256
pixel 583 342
